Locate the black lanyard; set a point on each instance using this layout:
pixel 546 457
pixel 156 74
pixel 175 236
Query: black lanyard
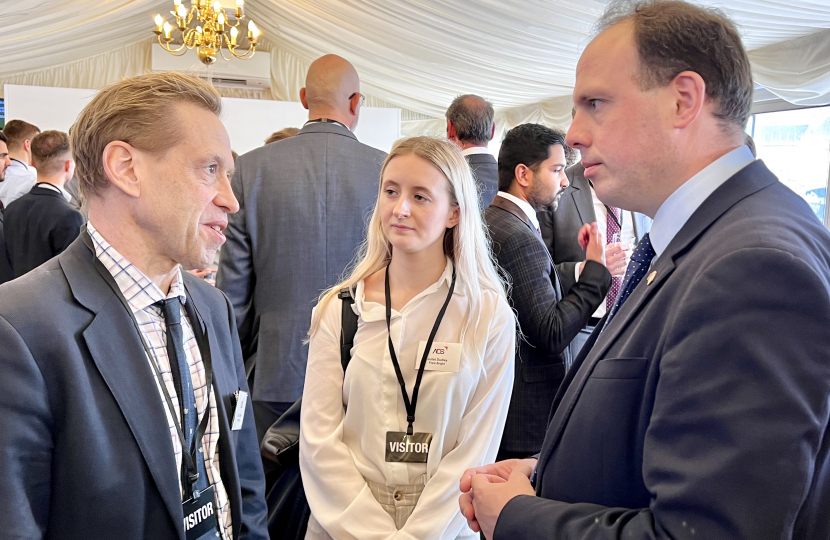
pixel 189 454
pixel 410 406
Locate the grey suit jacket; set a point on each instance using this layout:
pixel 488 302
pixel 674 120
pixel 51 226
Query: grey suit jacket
pixel 701 411
pixel 548 320
pixel 85 447
pixel 486 171
pixel 560 228
pixel 304 203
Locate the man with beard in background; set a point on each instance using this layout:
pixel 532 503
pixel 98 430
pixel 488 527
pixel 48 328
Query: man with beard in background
pixel 531 178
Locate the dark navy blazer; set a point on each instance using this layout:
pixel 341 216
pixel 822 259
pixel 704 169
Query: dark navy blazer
pixel 701 411
pixel 85 448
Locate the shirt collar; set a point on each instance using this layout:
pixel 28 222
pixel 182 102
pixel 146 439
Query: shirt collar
pixel 53 187
pixel 19 164
pixel 372 311
pixel 475 150
pixel 139 291
pixel 524 205
pixel 679 207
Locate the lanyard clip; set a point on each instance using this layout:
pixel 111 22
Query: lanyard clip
pixel 411 419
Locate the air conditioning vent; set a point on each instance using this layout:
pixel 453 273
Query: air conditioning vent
pixel 253 73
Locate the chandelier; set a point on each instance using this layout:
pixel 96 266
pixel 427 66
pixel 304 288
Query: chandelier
pixel 206 28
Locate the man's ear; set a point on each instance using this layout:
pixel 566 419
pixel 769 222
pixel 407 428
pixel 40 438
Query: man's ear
pixel 688 94
pixel 27 145
pixel 119 160
pixel 450 130
pixel 522 175
pixel 354 104
pixel 303 99
pixel 493 131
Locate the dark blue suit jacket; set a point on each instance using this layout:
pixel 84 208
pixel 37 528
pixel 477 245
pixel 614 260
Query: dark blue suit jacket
pixel 84 445
pixel 701 412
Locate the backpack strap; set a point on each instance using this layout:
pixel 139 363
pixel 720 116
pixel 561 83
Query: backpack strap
pixel 348 328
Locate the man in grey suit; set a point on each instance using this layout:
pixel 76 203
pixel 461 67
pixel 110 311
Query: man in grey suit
pixel 700 409
pixel 531 176
pixel 303 207
pixel 470 125
pixel 579 205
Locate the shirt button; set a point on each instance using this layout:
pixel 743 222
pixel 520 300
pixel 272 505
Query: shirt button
pixel 397 495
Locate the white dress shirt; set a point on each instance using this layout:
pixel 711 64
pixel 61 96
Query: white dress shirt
pixel 59 189
pixel 679 207
pixel 141 295
pixel 20 179
pixel 344 422
pixel 475 150
pixel 524 205
pixel 626 231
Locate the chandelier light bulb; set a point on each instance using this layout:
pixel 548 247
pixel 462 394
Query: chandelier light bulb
pixel 205 27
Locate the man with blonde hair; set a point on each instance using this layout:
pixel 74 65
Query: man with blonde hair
pixel 42 223
pixel 21 176
pixel 123 401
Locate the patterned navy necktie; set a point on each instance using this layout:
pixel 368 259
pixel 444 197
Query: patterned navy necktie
pixel 637 269
pixel 180 371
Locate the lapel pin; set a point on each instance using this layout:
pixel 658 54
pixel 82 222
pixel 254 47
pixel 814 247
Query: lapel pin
pixel 651 277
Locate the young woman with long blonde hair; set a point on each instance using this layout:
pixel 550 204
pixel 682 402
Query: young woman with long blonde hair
pixel 426 393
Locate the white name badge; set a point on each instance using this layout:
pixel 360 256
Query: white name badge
pixel 442 356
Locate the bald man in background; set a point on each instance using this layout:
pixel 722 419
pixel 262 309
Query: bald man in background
pixel 303 207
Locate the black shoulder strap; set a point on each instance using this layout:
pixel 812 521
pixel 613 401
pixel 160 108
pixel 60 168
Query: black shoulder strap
pixel 348 328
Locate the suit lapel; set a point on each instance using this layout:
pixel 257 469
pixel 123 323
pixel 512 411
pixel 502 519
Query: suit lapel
pixel 749 180
pixel 513 208
pixel 581 194
pixel 116 349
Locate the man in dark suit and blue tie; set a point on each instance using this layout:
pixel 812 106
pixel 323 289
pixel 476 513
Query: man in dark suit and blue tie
pixel 123 400
pixel 531 178
pixel 699 407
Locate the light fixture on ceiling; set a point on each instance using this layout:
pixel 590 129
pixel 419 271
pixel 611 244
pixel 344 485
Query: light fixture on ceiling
pixel 207 28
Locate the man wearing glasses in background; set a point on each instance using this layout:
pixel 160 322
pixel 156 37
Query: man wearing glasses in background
pixel 303 206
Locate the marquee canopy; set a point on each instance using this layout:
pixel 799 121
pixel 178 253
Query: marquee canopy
pixel 414 55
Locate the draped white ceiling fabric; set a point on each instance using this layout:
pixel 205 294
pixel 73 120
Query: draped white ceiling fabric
pixel 415 55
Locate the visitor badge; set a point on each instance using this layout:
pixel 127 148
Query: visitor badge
pixel 403 448
pixel 442 356
pixel 200 515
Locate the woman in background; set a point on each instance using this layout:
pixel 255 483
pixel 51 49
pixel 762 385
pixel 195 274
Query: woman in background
pixel 382 449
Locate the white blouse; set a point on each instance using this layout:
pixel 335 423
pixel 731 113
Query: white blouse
pixel 344 422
